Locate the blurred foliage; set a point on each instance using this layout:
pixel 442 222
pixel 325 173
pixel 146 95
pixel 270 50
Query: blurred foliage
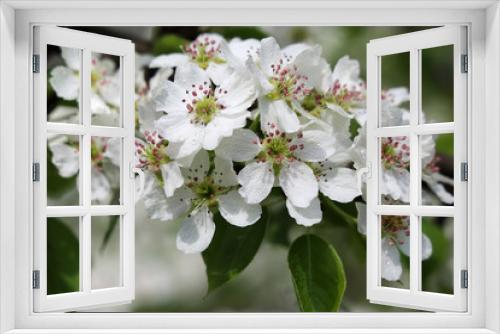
pixel 168 43
pixel 62 257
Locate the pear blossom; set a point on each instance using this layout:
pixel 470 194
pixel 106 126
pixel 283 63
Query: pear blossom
pixel 204 191
pixel 197 114
pixel 204 52
pixel 152 155
pixel 395 240
pixel 105 158
pixel 288 160
pixel 105 82
pixel 284 80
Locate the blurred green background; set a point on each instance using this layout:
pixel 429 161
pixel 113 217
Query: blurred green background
pixel 170 281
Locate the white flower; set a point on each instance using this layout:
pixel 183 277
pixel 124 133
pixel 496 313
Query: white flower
pixel 105 157
pixel 204 52
pixel 192 203
pixel 283 78
pixel 105 81
pixel 198 115
pixel 395 164
pixel 286 159
pixel 153 155
pixel 395 240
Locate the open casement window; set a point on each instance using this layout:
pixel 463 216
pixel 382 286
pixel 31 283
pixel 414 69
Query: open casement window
pixel 90 141
pixel 402 185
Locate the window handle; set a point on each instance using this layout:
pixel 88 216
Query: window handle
pixel 361 172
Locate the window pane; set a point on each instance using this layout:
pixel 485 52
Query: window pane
pixel 63 87
pixel 395 251
pixel 437 254
pixel 106 252
pixel 437 169
pixel 437 85
pixel 63 255
pixel 106 91
pixel 394 170
pixel 63 167
pixel 105 172
pixel 395 81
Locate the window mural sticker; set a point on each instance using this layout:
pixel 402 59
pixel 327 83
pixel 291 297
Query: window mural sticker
pixel 251 140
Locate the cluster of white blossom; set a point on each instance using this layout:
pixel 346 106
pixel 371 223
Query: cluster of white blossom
pixel 223 122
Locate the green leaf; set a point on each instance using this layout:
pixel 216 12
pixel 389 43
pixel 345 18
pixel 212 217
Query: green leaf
pixel 317 273
pixel 231 250
pixel 169 43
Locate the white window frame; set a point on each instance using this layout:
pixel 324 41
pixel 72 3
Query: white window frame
pixel 414 44
pixel 85 130
pixel 17 19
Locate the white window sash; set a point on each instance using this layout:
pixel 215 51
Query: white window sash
pixel 413 297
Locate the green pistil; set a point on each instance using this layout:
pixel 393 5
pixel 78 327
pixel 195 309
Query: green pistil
pixel 314 103
pixel 283 89
pixel 96 154
pixel 391 225
pixel 206 192
pixel 203 58
pixel 276 150
pixel 205 109
pixel 95 77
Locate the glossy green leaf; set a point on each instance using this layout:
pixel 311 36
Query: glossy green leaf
pixel 317 273
pixel 231 250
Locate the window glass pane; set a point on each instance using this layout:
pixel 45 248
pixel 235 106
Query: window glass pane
pixel 437 85
pixel 106 252
pixel 395 251
pixel 395 81
pixel 63 87
pixel 106 90
pixel 63 167
pixel 105 171
pixel 394 184
pixel 437 169
pixel 63 255
pixel 437 254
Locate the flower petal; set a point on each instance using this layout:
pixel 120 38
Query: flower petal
pixel 190 74
pixel 168 97
pixel 314 146
pixel 278 112
pixel 339 184
pixel 98 106
pixel 113 150
pixel 170 60
pixel 100 187
pixel 176 128
pixel 242 146
pixel 236 211
pixel 221 127
pixel 65 82
pixel 237 90
pixel 72 58
pixel 196 232
pixel 172 178
pixel 65 158
pixel 199 167
pixel 270 54
pixel 256 180
pixel 307 216
pixel 218 72
pixel 223 173
pixel 396 183
pixel 390 261
pixel 186 148
pixel 299 183
pixel 361 209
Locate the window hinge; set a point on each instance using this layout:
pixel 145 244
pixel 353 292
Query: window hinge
pixel 36 172
pixel 465 64
pixel 36 63
pixel 36 279
pixel 464 279
pixel 464 171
